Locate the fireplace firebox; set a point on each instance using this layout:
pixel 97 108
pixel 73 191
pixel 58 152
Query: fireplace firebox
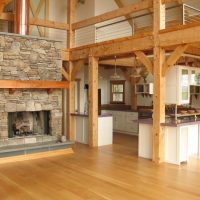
pixel 22 124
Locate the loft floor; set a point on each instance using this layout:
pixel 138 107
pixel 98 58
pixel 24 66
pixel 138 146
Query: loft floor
pixel 110 172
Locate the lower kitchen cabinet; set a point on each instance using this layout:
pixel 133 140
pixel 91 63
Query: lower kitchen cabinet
pixel 180 142
pixel 124 122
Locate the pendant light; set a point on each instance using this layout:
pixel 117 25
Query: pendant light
pixel 115 75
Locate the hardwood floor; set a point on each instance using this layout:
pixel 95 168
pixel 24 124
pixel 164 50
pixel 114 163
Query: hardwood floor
pixel 110 172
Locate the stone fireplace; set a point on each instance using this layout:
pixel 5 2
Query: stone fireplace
pixel 29 112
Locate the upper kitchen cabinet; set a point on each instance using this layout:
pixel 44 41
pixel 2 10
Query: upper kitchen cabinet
pixel 178 85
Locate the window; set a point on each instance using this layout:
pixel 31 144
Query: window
pixel 117 92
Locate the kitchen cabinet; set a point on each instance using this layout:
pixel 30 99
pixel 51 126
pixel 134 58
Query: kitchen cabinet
pixel 105 129
pixel 180 142
pixel 124 121
pixel 178 85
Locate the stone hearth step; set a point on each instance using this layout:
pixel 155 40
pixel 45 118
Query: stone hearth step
pixel 34 148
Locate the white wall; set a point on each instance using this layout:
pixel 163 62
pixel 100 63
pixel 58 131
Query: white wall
pixel 58 13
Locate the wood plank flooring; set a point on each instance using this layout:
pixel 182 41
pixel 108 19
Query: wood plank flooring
pixel 111 172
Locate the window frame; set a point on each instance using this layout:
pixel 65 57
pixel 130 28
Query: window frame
pixel 117 82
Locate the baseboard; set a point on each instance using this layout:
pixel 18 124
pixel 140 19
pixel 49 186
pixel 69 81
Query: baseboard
pixel 36 156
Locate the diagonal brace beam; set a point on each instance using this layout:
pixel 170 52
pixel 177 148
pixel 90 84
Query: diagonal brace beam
pixel 174 58
pixel 144 60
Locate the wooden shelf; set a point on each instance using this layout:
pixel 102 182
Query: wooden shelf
pixel 40 84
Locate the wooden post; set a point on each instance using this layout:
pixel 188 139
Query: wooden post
pixel 71 14
pixel 71 17
pixel 21 17
pixel 159 85
pixel 133 94
pixel 93 101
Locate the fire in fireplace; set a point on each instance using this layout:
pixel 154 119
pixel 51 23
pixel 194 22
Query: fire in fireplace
pixel 28 123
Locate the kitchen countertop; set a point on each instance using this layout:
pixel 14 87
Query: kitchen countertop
pixel 121 110
pixel 86 115
pixel 172 124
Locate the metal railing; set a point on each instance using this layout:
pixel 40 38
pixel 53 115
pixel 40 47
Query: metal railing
pixel 121 27
pixel 190 14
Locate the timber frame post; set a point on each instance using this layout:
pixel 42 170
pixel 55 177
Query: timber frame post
pixel 71 14
pixel 159 84
pixel 93 101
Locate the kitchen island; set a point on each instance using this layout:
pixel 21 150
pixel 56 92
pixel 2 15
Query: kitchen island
pixel 181 140
pixel 105 129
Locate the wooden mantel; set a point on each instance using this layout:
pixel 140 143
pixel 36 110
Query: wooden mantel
pixel 36 84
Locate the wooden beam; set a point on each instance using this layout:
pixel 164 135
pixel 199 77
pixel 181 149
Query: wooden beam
pixel 46 31
pixel 77 68
pixel 7 16
pixel 65 54
pixel 49 24
pixel 35 15
pixel 172 1
pixel 93 101
pixel 128 16
pixel 70 105
pixel 185 34
pixel 71 16
pixel 113 14
pixel 18 84
pixel 133 93
pixel 65 74
pixel 159 85
pixel 114 47
pixel 144 60
pixel 174 58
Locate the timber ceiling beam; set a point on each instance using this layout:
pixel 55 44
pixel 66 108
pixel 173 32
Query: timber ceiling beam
pixel 49 24
pixel 144 60
pixel 174 58
pixel 114 47
pixel 186 34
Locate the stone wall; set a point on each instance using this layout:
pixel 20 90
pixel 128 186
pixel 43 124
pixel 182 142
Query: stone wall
pixel 30 58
